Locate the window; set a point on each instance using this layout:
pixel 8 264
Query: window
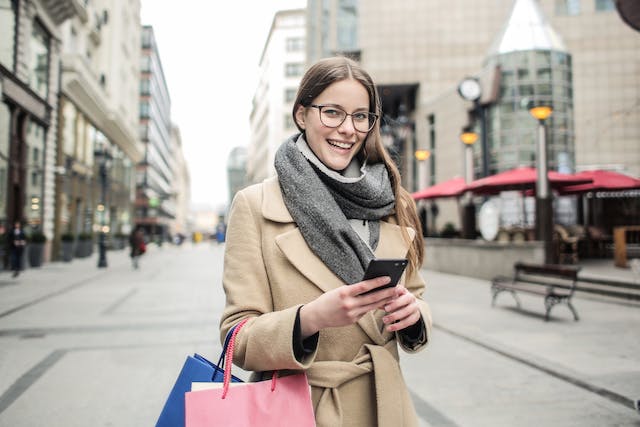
pixel 567 7
pixel 294 69
pixel 35 141
pixel 602 5
pixel 288 122
pixel 290 95
pixel 145 87
pixel 295 44
pixel 145 64
pixel 8 23
pixel 39 60
pixel 144 109
pixel 347 25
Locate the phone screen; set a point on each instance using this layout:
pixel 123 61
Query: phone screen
pixel 386 267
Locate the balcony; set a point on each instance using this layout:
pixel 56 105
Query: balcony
pixel 61 10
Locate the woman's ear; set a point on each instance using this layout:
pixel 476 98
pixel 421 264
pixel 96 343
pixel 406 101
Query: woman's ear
pixel 300 116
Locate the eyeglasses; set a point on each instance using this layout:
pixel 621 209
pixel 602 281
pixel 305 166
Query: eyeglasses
pixel 330 116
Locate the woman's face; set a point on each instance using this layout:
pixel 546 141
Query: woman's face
pixel 335 147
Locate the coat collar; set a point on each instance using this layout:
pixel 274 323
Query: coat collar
pixel 273 207
pixel 295 249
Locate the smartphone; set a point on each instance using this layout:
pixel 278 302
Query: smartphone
pixel 385 267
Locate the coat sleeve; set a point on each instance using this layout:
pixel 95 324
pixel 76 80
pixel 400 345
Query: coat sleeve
pixel 416 285
pixel 265 343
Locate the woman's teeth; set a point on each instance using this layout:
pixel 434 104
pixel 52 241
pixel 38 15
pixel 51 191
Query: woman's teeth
pixel 343 145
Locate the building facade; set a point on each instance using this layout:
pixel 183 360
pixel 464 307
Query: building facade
pixel 30 50
pixel 155 200
pixel 282 64
pixel 418 52
pixel 97 139
pixel 181 187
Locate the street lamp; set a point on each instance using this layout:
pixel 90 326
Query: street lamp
pixel 468 138
pixel 470 89
pixel 103 156
pixel 422 156
pixel 544 213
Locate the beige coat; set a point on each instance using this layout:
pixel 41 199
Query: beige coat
pixel 269 272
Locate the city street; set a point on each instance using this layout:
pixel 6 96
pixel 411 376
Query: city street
pixel 82 346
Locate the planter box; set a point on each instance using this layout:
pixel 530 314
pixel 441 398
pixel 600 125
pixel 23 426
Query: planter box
pixel 478 258
pixel 83 248
pixel 35 252
pixel 67 251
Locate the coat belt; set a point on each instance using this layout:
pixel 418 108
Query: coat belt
pixel 330 375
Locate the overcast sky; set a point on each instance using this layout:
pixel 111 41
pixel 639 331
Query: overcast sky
pixel 210 52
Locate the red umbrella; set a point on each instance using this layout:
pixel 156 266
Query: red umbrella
pixel 603 181
pixel 450 188
pixel 522 179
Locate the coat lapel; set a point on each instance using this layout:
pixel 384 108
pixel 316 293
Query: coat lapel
pixel 296 250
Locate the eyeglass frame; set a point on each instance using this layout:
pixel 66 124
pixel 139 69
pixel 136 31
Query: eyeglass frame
pixel 321 106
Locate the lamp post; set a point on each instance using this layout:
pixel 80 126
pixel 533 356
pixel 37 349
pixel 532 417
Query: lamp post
pixel 471 90
pixel 468 138
pixel 103 156
pixel 544 212
pixel 422 156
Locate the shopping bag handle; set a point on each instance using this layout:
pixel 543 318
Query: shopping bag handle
pixel 221 361
pixel 229 357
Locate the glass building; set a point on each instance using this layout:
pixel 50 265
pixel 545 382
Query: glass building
pixel 534 69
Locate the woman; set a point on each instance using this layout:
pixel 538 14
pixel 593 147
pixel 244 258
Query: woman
pixel 297 248
pixel 138 247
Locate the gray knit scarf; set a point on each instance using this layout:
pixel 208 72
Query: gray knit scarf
pixel 321 206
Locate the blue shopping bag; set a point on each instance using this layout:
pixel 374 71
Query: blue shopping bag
pixel 195 369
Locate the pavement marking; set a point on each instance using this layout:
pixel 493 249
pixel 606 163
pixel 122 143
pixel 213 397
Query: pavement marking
pixel 50 295
pixel 24 332
pixel 429 413
pixel 29 378
pixel 111 309
pixel 608 394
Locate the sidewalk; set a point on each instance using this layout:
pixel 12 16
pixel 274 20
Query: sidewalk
pixel 53 278
pixel 590 363
pixel 496 366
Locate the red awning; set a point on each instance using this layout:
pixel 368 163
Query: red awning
pixel 602 180
pixel 450 188
pixel 522 179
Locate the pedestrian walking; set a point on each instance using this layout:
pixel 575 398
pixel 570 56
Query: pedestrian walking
pixel 138 246
pixel 221 230
pixel 17 242
pixel 297 246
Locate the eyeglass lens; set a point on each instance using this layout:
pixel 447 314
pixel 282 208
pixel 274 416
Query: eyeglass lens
pixel 333 117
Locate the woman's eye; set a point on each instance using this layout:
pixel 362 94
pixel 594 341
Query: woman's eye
pixel 332 112
pixel 360 116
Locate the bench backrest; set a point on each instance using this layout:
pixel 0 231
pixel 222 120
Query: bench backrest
pixel 567 274
pixel 566 271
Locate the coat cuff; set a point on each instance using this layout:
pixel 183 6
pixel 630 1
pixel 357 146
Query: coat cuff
pixel 303 348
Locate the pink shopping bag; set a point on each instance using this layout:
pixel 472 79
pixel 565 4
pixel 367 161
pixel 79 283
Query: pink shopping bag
pixel 252 404
pixel 281 401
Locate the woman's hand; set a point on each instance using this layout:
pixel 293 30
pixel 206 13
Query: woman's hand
pixel 344 305
pixel 403 311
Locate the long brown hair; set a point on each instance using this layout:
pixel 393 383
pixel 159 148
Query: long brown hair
pixel 330 70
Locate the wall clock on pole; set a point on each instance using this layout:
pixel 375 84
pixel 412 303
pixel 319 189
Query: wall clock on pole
pixel 470 89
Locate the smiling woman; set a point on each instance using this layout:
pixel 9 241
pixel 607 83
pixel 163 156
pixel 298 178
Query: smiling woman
pixel 297 248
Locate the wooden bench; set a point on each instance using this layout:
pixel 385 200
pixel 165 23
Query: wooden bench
pixel 556 283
